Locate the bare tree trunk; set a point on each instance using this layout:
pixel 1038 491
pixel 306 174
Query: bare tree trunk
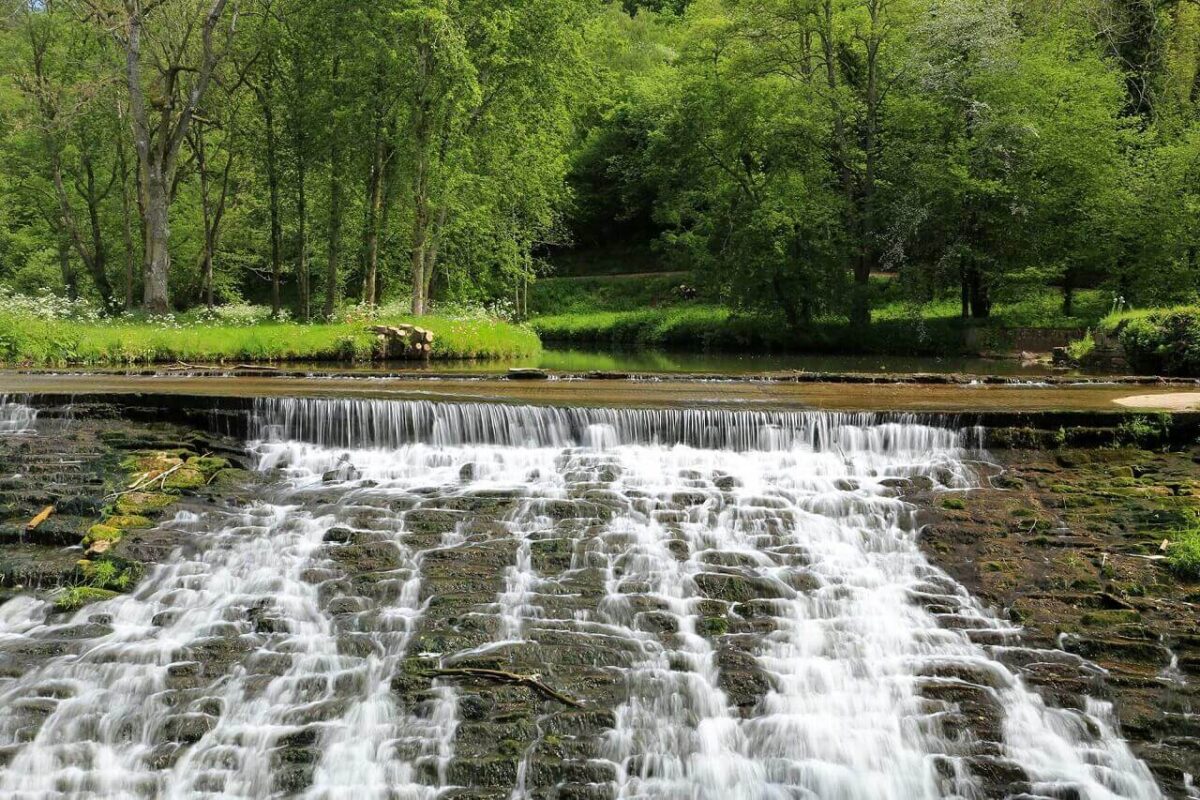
pixel 126 228
pixel 97 264
pixel 70 282
pixel 375 184
pixel 302 276
pixel 335 230
pixel 422 124
pixel 266 99
pixel 432 248
pixel 335 209
pixel 276 223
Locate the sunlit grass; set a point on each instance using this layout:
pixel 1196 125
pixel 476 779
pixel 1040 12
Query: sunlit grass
pixel 33 341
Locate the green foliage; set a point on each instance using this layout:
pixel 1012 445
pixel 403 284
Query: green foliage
pixel 607 293
pixel 1023 164
pixel 1145 431
pixel 1183 552
pixel 1159 341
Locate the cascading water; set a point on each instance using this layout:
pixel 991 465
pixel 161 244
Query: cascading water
pixel 15 417
pixel 737 599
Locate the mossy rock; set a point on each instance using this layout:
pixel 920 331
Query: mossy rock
pixel 208 464
pixel 77 597
pixel 230 477
pixel 1111 617
pixel 153 463
pixel 143 504
pixel 954 504
pixel 102 533
pixel 713 626
pixel 185 478
pixel 128 522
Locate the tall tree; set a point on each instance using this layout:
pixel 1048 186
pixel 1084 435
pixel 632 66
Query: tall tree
pixel 161 38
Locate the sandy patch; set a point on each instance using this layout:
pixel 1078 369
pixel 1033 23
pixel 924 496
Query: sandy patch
pixel 1172 401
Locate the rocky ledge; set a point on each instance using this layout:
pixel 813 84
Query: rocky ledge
pixel 83 493
pixel 1068 542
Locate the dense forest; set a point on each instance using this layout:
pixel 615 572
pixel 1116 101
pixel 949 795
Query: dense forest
pixel 306 154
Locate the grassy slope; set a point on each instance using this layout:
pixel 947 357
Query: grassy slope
pixel 648 312
pixel 34 341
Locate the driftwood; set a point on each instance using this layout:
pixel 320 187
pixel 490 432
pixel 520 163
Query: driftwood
pixel 42 516
pixel 501 676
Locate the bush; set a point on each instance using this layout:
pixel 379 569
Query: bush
pixel 1159 341
pixel 1183 553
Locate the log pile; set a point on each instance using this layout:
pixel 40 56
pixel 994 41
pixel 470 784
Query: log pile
pixel 402 342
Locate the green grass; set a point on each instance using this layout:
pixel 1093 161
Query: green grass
pixel 1183 553
pixel 604 293
pixel 898 327
pixel 32 341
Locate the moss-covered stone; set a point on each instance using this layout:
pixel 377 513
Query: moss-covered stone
pixel 1110 617
pixel 229 477
pixel 76 597
pixel 101 533
pixel 128 522
pixel 143 504
pixel 208 464
pixel 184 478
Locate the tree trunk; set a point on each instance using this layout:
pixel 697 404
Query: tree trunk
pixel 335 230
pixel 980 297
pixel 70 282
pixel 273 190
pixel 432 247
pixel 157 259
pixel 302 276
pixel 97 264
pixel 126 229
pixel 335 207
pixel 1068 293
pixel 374 208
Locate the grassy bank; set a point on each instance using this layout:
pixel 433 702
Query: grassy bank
pixel 53 342
pixel 1160 341
pixel 929 329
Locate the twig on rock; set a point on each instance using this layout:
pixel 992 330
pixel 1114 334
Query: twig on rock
pixel 502 676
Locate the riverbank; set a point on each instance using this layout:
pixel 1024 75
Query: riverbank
pixel 60 342
pixel 664 312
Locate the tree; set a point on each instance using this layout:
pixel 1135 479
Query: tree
pixel 163 107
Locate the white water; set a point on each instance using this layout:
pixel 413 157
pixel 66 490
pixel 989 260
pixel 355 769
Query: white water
pixel 16 418
pixel 797 503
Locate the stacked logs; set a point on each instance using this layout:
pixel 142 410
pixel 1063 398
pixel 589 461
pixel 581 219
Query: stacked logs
pixel 402 342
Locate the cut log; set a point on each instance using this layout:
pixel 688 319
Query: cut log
pixel 42 516
pixel 402 342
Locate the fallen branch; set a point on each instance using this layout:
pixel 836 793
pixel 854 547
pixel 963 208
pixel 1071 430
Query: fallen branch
pixel 501 676
pixel 256 367
pixel 42 516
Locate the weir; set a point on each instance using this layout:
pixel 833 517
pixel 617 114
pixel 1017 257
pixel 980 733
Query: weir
pixel 735 602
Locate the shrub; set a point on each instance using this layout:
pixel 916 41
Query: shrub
pixel 1183 553
pixel 1159 341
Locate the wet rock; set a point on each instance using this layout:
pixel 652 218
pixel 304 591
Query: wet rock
pixel 188 728
pixel 736 588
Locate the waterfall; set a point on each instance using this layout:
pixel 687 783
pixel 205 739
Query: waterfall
pixel 738 600
pixel 16 418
